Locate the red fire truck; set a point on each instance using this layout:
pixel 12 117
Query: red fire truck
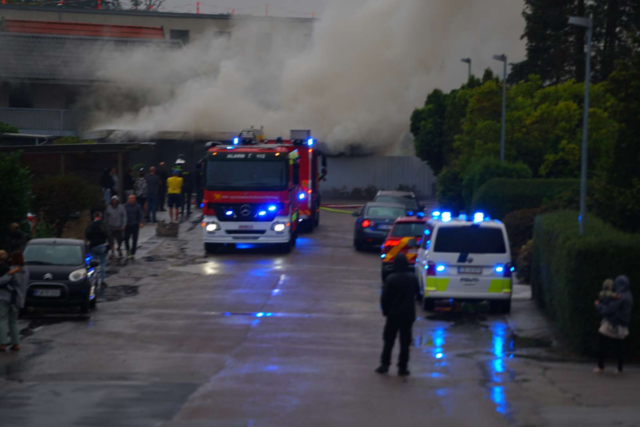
pixel 311 174
pixel 252 194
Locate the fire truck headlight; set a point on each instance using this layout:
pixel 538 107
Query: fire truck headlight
pixel 279 227
pixel 211 227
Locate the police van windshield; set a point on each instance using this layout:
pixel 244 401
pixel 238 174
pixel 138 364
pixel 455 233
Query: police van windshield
pixel 474 240
pixel 408 229
pixel 246 175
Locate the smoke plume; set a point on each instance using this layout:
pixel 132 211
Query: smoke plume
pixel 354 81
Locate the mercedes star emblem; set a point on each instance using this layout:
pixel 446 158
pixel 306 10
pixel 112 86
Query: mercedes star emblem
pixel 245 210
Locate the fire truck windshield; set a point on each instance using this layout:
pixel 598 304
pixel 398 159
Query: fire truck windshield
pixel 247 174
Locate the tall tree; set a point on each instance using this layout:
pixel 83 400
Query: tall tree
pixel 427 125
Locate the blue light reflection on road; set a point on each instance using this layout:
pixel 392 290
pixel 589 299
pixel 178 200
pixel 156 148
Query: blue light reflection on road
pixel 498 369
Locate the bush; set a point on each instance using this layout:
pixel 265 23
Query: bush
pixel 520 227
pixel 568 271
pixel 486 169
pixel 523 262
pixel 501 196
pixel 5 128
pixel 14 192
pixel 449 187
pixel 58 199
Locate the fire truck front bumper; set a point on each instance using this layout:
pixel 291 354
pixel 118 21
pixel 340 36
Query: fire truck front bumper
pixel 276 231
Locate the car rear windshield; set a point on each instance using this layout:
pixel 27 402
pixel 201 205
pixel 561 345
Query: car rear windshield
pixel 408 229
pixel 406 201
pixel 474 240
pixel 53 255
pixel 385 212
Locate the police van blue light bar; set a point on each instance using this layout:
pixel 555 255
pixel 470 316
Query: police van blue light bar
pixel 236 141
pixel 436 214
pixel 478 217
pixel 446 216
pixel 310 142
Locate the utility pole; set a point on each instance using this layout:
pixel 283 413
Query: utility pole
pixel 467 61
pixel 503 59
pixel 588 24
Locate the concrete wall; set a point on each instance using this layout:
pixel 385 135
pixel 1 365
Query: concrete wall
pixel 197 25
pixel 383 173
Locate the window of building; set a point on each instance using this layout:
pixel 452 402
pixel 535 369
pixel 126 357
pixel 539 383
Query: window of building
pixel 182 35
pixel 20 96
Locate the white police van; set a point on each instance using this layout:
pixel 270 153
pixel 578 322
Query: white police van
pixel 465 260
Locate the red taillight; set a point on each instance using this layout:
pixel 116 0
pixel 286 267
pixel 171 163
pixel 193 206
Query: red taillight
pixel 431 269
pixel 366 223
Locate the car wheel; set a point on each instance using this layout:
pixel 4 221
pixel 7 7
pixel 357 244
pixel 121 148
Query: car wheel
pixel 212 248
pixel 428 304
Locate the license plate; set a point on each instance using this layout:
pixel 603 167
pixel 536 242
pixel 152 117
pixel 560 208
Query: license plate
pixel 246 227
pixel 47 293
pixel 469 270
pixel 384 227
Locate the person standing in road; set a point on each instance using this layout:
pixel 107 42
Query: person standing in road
pixel 162 189
pixel 127 184
pixel 153 187
pixel 614 329
pixel 116 219
pixel 174 190
pixel 187 189
pixel 13 288
pixel 141 191
pixel 16 239
pixel 398 306
pixel 135 221
pixel 97 236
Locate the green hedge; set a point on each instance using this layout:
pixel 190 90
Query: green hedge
pixel 449 186
pixel 568 271
pixel 486 169
pixel 500 196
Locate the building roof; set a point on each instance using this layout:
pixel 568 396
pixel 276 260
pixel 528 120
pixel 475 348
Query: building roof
pixel 59 59
pixel 82 29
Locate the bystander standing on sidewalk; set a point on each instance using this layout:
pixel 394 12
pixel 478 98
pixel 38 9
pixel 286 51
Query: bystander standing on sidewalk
pixel 116 219
pixel 614 329
pixel 174 191
pixel 153 186
pixel 162 189
pixel 141 191
pixel 398 302
pixel 116 183
pixel 13 288
pixel 97 236
pixel 135 221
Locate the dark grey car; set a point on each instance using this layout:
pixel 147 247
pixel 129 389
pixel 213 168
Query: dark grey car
pixel 374 222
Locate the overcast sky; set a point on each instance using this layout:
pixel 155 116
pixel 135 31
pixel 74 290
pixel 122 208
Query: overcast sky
pixel 300 8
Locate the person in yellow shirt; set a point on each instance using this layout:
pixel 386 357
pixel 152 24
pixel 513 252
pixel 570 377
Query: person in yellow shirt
pixel 174 192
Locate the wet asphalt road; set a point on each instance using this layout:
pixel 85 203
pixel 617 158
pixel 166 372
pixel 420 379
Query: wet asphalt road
pixel 253 338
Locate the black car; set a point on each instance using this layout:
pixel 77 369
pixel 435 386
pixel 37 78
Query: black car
pixel 405 198
pixel 61 274
pixel 374 222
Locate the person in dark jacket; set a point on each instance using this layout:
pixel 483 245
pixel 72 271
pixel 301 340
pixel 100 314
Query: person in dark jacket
pixel 135 221
pixel 13 289
pixel 398 306
pixel 98 237
pixel 162 188
pixel 16 239
pixel 127 183
pixel 614 329
pixel 187 188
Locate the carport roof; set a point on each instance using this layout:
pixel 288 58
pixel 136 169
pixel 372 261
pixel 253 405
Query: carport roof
pixel 60 59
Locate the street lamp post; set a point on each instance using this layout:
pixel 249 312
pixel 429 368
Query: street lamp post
pixel 588 24
pixel 503 59
pixel 467 61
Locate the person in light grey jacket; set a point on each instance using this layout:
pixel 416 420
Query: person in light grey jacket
pixel 115 217
pixel 13 289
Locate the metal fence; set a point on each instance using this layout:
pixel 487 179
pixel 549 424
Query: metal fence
pixel 40 121
pixel 359 177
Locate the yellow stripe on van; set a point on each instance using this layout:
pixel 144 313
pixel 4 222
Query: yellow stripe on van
pixel 396 249
pixel 435 284
pixel 497 286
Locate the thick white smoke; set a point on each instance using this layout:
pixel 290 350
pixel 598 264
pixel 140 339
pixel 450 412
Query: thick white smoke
pixel 368 64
